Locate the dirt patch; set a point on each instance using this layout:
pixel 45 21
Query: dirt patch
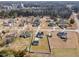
pixel 56 42
pixel 67 52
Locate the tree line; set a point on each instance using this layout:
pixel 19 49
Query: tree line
pixel 62 12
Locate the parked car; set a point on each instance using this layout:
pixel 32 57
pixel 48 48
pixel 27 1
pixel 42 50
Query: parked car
pixel 62 35
pixel 35 43
pixel 25 34
pixel 63 26
pixel 40 35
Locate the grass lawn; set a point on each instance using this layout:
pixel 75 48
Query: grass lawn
pixel 42 46
pixel 38 48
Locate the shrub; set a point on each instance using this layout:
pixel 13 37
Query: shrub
pixel 72 21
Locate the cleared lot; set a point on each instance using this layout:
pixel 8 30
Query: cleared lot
pixel 64 52
pixel 72 41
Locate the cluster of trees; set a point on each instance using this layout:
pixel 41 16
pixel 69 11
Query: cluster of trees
pixel 12 53
pixel 75 8
pixel 54 12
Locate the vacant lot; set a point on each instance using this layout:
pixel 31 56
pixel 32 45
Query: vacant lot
pixel 72 41
pixel 64 52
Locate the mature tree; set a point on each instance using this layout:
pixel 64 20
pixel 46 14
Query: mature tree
pixel 72 21
pixel 13 13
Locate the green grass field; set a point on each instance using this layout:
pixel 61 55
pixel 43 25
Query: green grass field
pixel 43 45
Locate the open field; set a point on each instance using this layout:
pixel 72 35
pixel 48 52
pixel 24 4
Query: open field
pixel 65 52
pixel 72 41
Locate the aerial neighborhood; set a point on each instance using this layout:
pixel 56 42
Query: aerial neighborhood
pixel 39 29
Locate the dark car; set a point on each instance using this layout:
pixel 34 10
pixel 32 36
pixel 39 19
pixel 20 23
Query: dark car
pixel 35 43
pixel 25 35
pixel 62 35
pixel 40 35
pixel 63 26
